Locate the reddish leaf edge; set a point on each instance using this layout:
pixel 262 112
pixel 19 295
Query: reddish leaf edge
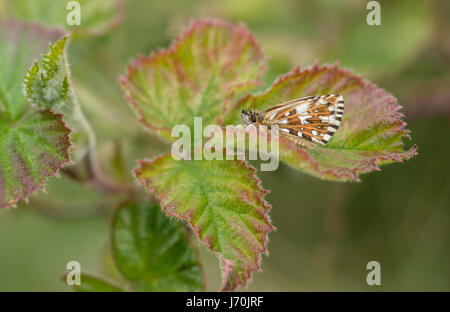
pixel 226 264
pixel 111 241
pixel 56 170
pixel 141 60
pixel 18 25
pixel 351 174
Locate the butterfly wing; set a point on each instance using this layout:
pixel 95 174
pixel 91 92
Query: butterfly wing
pixel 313 118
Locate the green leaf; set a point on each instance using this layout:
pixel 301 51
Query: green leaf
pixel 370 133
pixel 34 143
pixel 48 86
pixel 201 74
pixel 152 251
pixel 33 148
pixel 89 283
pixel 20 45
pixel 96 16
pixel 222 201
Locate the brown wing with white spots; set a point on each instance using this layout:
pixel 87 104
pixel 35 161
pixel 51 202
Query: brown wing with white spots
pixel 314 118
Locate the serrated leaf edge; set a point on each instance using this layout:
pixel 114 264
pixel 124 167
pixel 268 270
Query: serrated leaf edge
pixel 226 264
pixel 141 60
pixel 111 245
pixel 349 174
pixel 61 164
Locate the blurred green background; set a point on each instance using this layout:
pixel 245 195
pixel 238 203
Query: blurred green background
pixel 327 231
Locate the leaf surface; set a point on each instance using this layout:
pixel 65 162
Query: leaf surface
pixel 152 251
pixel 48 86
pixel 203 71
pixel 370 133
pixel 34 143
pixel 222 201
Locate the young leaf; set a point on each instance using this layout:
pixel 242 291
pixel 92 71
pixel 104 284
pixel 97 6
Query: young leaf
pixel 211 64
pixel 152 251
pixel 89 283
pixel 48 86
pixel 370 133
pixel 222 201
pixel 20 45
pixel 34 144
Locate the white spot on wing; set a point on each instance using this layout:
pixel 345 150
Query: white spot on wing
pixel 303 119
pixel 335 122
pixel 301 108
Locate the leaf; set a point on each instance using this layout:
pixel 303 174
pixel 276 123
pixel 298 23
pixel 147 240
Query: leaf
pixel 152 251
pixel 203 71
pixel 48 86
pixel 34 144
pixel 33 148
pixel 222 201
pixel 89 283
pixel 96 16
pixel 20 45
pixel 370 134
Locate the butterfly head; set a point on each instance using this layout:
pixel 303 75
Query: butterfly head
pixel 249 117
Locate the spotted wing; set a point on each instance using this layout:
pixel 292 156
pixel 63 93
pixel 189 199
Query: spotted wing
pixel 313 118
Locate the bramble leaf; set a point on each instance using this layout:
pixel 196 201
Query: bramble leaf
pixel 96 16
pixel 370 133
pixel 203 71
pixel 34 143
pixel 153 252
pixel 222 201
pixel 20 45
pixel 48 86
pixel 32 148
pixel 202 74
pixel 89 283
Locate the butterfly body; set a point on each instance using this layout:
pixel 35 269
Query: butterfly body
pixel 306 121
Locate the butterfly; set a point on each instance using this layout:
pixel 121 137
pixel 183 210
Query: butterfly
pixel 306 121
